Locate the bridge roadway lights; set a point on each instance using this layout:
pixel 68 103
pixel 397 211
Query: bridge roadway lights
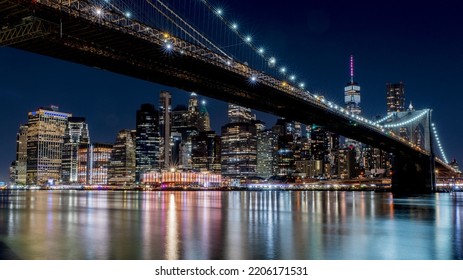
pixel 413 175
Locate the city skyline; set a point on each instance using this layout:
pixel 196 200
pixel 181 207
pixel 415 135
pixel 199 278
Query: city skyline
pixel 30 81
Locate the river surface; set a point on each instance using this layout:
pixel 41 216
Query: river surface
pixel 77 225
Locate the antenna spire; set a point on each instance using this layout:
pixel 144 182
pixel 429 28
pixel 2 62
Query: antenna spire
pixel 351 68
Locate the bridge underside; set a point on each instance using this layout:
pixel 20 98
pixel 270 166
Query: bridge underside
pixel 81 41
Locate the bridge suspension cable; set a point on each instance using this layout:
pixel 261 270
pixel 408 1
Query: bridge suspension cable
pixel 439 144
pixel 247 40
pixel 384 119
pixel 187 25
pixel 404 123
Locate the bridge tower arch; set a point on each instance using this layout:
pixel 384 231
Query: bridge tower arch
pixel 411 173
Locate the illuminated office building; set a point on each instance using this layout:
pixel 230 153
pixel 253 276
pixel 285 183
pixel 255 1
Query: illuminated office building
pixel 21 156
pixel 45 138
pixel 395 95
pixel 165 123
pixel 122 167
pixel 239 114
pixel 147 140
pixel 267 145
pixel 193 111
pixel 76 133
pixel 239 150
pixel 206 148
pixel 93 163
pixel 352 92
pixel 204 119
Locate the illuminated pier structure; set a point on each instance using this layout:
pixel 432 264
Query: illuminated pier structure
pixel 175 178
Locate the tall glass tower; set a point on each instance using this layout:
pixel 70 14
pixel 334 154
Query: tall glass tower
pixel 352 92
pixel 395 97
pixel 147 140
pixel 165 116
pixel 76 133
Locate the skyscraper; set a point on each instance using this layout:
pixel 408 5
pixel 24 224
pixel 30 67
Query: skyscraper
pixel 206 151
pixel 204 120
pixel 286 133
pixel 45 137
pixel 352 92
pixel 76 133
pixel 94 161
pixel 267 145
pixel 185 121
pixel 193 110
pixel 239 150
pixel 122 167
pixel 147 140
pixel 165 104
pixel 395 96
pixel 21 156
pixel 239 114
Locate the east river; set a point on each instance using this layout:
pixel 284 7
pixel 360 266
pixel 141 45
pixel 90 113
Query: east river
pixel 55 225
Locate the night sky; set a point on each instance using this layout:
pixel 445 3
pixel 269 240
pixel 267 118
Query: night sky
pixel 417 42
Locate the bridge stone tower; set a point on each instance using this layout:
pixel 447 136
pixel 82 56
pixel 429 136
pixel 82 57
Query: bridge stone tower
pixel 411 173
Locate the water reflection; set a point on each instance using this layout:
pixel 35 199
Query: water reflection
pixel 229 225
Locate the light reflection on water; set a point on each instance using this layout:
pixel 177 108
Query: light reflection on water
pixel 229 225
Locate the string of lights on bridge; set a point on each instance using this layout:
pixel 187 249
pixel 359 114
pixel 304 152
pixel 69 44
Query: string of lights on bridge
pixel 407 122
pixel 384 119
pixel 248 40
pixel 439 144
pixel 272 62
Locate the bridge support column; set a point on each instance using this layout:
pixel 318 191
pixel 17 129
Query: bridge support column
pixel 413 175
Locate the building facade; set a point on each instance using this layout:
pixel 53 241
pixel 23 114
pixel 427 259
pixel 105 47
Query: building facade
pixel 147 140
pixel 395 97
pixel 165 116
pixel 76 134
pixel 45 138
pixel 122 167
pixel 21 156
pixel 206 148
pixel 94 162
pixel 267 146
